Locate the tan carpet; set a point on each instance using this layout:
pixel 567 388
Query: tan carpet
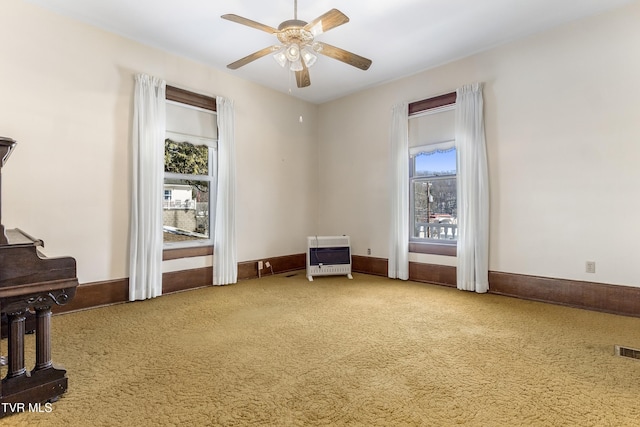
pixel 281 351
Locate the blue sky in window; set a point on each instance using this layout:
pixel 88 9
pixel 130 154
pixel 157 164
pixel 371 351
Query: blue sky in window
pixel 436 162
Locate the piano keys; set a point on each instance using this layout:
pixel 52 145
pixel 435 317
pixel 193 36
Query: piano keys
pixel 30 282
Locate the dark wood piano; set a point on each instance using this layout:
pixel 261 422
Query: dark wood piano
pixel 30 283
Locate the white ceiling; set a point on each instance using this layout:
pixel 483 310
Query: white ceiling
pixel 401 37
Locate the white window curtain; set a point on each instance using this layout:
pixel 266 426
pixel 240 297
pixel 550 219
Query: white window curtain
pixel 225 260
pixel 399 188
pixel 145 248
pixel 473 191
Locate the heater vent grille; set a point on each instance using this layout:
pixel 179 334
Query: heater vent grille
pixel 627 352
pixel 328 241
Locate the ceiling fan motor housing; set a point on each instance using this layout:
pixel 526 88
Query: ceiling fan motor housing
pixel 292 31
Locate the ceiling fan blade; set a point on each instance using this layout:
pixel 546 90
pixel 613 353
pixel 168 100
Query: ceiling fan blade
pixel 344 56
pixel 324 23
pixel 302 77
pixel 249 23
pixel 250 58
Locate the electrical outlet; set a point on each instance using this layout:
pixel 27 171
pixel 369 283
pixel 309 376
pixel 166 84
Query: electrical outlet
pixel 260 265
pixel 590 266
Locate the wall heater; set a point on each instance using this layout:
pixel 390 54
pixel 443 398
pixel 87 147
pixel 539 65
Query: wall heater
pixel 328 256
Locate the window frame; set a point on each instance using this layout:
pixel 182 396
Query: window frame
pixel 206 104
pixel 429 246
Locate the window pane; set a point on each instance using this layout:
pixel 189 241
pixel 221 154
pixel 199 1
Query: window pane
pixel 185 210
pixel 186 158
pixel 436 163
pixel 435 209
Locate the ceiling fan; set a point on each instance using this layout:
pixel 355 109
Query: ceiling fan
pixel 298 47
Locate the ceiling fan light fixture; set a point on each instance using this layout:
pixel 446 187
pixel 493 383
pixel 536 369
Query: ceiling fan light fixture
pixel 296 65
pixel 308 57
pixel 292 52
pixel 292 57
pixel 280 58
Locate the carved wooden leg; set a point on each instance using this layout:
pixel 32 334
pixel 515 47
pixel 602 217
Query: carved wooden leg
pixel 16 344
pixel 43 338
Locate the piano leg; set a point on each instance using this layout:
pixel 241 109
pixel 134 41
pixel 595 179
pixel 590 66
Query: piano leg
pixel 45 383
pixel 43 338
pixel 16 345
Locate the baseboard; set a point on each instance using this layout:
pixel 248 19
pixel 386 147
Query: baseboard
pixel 184 280
pixel 279 264
pixel 444 275
pixel 96 294
pixel 369 265
pixel 616 299
pixel 419 272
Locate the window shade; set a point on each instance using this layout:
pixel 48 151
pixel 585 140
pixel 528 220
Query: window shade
pixel 433 126
pixel 191 121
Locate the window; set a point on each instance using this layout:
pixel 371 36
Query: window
pixel 432 176
pixel 190 165
pixel 433 194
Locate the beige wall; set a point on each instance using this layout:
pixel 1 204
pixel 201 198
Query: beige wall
pixel 562 117
pixel 562 124
pixel 66 97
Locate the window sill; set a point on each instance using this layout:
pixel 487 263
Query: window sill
pixel 177 253
pixel 446 249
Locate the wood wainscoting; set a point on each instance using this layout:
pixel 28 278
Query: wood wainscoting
pixel 97 294
pixel 419 272
pixel 369 265
pixel 280 264
pixel 183 280
pixel 616 299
